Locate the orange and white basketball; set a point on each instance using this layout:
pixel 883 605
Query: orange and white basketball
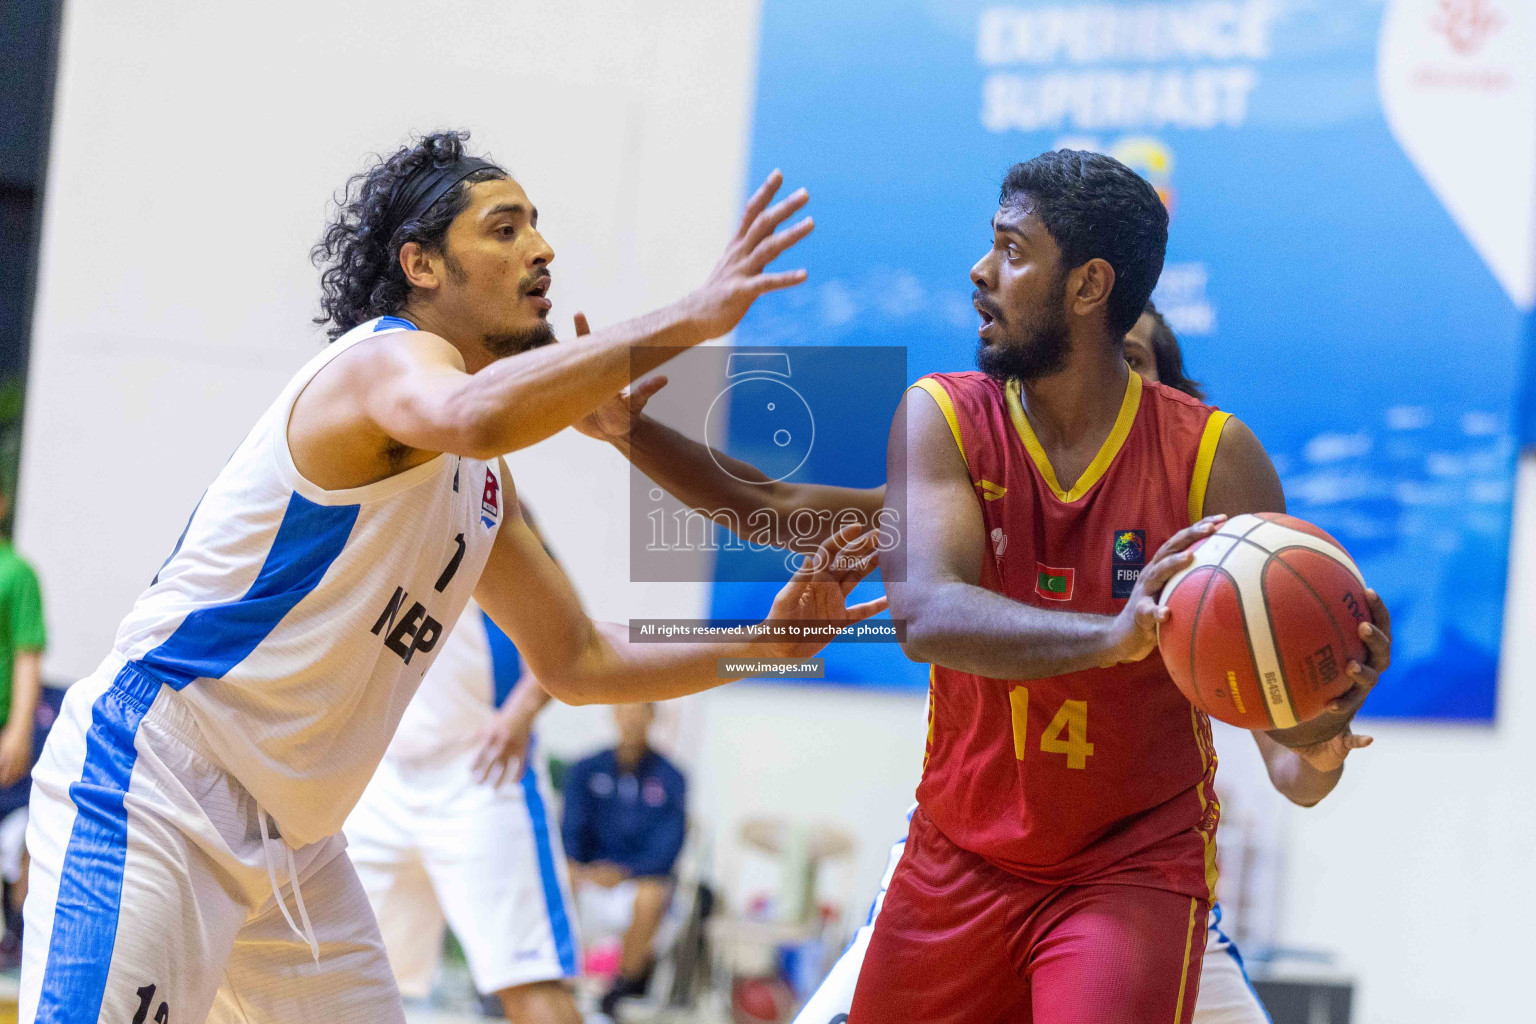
pixel 1262 625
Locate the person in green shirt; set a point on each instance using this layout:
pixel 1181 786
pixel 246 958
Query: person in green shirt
pixel 22 639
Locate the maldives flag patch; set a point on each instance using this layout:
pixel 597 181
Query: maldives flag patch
pixel 1053 584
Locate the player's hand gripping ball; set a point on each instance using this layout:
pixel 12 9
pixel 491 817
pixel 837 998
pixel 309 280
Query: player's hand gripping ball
pixel 1263 622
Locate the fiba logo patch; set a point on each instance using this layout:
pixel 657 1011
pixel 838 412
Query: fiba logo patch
pixel 1127 557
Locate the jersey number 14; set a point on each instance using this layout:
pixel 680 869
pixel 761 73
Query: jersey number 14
pixel 1067 733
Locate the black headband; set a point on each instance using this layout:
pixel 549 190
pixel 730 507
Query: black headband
pixel 418 193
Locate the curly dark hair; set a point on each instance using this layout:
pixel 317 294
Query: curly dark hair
pixel 1169 357
pixel 1095 206
pixel 360 268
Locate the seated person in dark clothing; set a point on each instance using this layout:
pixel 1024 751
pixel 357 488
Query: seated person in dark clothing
pixel 625 818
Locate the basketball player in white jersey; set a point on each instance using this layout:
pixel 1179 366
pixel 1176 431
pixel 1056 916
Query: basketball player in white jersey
pixel 456 827
pixel 187 862
pixel 691 472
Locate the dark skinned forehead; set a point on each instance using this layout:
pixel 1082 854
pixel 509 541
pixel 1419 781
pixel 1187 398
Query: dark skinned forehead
pixel 1019 221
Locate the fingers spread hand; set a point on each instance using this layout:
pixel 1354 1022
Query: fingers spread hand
pixel 855 560
pixel 772 247
pixel 862 611
pixel 760 199
pixel 769 220
pixel 763 283
pixel 637 395
pixel 651 385
pixel 819 562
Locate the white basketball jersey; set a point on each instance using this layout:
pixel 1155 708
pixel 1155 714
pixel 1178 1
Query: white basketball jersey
pixel 475 671
pixel 295 623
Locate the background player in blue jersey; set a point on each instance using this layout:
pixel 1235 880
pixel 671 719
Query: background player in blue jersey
pixel 625 821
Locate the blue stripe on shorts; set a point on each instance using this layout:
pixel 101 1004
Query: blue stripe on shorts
pixel 91 879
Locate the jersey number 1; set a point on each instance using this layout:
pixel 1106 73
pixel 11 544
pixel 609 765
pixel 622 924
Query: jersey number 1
pixel 1067 733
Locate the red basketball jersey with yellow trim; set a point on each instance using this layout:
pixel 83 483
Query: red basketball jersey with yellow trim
pixel 1099 775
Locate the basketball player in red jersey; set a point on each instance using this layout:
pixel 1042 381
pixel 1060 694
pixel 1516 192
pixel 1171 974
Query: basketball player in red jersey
pixel 737 493
pixel 1062 858
pixel 1060 864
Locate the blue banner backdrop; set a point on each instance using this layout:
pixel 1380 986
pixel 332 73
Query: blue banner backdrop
pixel 1322 288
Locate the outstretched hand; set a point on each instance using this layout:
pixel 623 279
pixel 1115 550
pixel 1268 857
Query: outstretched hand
pixel 612 420
pixel 740 277
pixel 819 589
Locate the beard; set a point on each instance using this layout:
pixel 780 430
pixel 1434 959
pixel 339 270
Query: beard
pixel 517 342
pixel 1038 349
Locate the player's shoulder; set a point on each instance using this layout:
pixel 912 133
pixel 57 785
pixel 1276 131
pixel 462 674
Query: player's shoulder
pixel 960 382
pixel 960 376
pixel 390 342
pixel 423 347
pixel 1175 414
pixel 963 395
pixel 1174 400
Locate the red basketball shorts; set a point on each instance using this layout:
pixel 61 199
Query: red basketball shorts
pixel 959 940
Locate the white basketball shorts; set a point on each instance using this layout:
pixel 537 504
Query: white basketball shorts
pixel 433 846
pixel 154 894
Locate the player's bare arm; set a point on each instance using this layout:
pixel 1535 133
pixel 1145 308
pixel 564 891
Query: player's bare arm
pixel 395 402
pixel 1243 479
pixel 740 497
pixel 16 736
pixel 532 600
pixel 951 620
pixel 735 494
